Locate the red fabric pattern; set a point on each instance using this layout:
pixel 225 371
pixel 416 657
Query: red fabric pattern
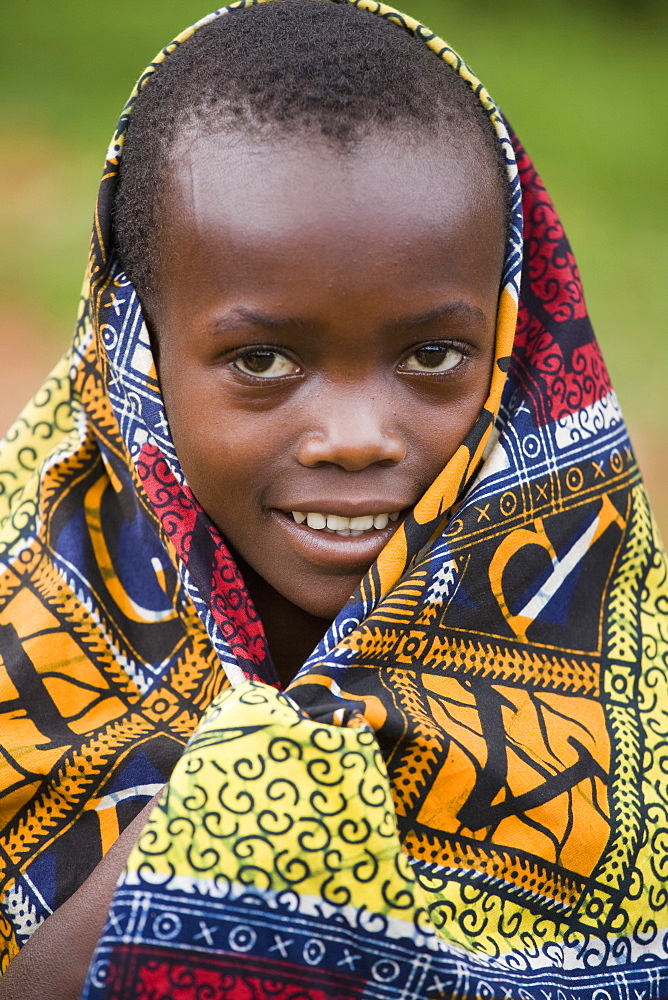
pixel 554 345
pixel 218 578
pixel 157 975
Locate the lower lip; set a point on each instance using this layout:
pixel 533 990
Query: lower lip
pixel 336 551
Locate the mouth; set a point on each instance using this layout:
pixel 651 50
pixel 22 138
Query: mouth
pixel 340 540
pixel 343 526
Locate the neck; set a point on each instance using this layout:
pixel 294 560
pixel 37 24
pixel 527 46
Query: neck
pixel 291 632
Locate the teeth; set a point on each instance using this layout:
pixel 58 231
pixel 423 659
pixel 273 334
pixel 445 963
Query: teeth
pixel 362 523
pixel 316 520
pixel 336 523
pixel 347 527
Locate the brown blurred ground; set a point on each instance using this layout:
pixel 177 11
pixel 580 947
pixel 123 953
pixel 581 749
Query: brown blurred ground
pixel 29 351
pixel 26 357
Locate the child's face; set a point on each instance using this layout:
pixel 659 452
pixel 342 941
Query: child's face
pixel 326 329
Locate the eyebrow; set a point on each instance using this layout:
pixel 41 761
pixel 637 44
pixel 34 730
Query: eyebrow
pixel 450 310
pixel 229 322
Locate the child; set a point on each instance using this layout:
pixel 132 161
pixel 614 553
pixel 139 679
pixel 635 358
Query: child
pixel 300 374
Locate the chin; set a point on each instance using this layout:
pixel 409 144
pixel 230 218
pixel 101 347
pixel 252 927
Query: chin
pixel 323 605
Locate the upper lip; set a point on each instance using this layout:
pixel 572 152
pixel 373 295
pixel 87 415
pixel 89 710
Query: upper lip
pixel 345 508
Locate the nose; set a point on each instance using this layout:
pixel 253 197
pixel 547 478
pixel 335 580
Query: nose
pixel 352 431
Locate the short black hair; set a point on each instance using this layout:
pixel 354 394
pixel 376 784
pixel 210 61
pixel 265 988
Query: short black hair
pixel 294 66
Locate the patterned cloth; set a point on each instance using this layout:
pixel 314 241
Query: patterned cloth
pixel 464 792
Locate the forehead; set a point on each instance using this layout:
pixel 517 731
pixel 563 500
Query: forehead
pixel 392 179
pixel 238 205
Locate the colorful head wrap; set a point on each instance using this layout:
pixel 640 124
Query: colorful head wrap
pixel 463 793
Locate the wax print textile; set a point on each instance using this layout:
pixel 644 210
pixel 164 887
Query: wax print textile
pixel 463 793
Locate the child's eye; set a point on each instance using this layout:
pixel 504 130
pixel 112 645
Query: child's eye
pixel 265 363
pixel 434 358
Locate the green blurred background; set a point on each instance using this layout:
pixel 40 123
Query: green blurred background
pixel 583 83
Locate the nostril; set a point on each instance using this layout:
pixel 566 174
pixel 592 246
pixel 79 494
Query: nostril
pixel 352 451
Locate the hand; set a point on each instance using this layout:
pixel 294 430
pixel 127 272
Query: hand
pixel 54 962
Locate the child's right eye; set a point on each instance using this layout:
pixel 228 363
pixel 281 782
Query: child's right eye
pixel 262 362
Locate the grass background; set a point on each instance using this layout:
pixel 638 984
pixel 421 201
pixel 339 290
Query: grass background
pixel 583 83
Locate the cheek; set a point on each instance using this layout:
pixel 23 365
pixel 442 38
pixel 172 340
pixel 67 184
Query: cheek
pixel 438 426
pixel 439 441
pixel 227 459
pixel 215 455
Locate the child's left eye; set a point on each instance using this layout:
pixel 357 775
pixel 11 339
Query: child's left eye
pixel 434 358
pixel 265 363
